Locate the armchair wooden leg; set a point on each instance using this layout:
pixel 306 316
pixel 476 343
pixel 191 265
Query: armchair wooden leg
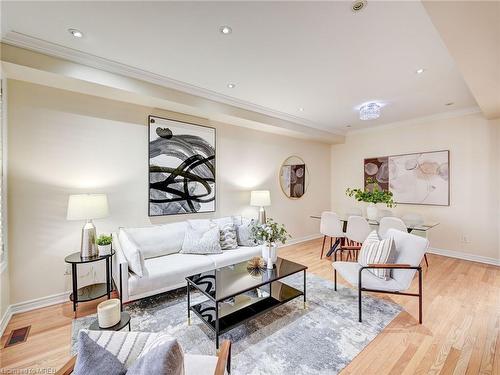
pixel 426 262
pixel 359 296
pixel 420 295
pixel 323 247
pixel 335 272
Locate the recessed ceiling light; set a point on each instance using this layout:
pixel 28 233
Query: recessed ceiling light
pixel 225 30
pixel 301 109
pixel 358 5
pixel 231 85
pixel 450 103
pixel 420 71
pixel 76 33
pixel 370 111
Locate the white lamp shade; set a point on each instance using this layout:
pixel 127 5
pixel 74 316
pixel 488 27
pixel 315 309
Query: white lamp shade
pixel 260 198
pixel 87 206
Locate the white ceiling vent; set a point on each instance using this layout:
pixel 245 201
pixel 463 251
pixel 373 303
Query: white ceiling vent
pixel 358 5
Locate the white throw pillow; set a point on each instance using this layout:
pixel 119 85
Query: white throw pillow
pixel 376 251
pixel 132 253
pixel 244 234
pixel 223 221
pixel 200 241
pixel 158 240
pixel 200 224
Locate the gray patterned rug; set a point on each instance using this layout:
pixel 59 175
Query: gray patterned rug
pixel 322 339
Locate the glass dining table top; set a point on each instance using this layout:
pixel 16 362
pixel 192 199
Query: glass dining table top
pixel 411 226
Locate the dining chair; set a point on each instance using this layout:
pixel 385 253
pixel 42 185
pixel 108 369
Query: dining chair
pixel 387 223
pixel 408 252
pixel 330 226
pixel 414 219
pixel 357 231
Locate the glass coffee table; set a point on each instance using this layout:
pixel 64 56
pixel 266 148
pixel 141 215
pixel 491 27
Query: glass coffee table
pixel 235 294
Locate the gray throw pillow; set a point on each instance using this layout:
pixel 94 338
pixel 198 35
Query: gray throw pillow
pixel 228 237
pixel 201 240
pixel 244 234
pixel 93 359
pixel 142 353
pixel 165 359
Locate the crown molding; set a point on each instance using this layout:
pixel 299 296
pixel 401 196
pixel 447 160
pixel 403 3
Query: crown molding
pixel 418 120
pixel 25 41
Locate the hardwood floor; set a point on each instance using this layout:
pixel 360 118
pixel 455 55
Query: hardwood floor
pixel 460 333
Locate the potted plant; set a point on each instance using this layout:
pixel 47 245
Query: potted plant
pixel 372 197
pixel 270 233
pixel 104 244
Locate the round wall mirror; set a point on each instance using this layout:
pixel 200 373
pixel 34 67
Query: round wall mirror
pixel 294 177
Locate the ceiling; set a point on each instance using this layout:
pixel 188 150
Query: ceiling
pixel 282 56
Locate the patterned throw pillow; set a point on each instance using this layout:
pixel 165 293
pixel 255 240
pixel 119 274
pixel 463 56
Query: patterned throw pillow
pixel 120 353
pixel 376 251
pixel 201 241
pixel 228 237
pixel 244 234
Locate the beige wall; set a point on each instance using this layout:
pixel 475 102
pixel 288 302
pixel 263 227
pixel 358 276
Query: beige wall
pixel 473 142
pixel 62 143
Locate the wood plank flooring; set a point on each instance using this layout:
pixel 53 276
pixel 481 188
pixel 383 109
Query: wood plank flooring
pixel 460 334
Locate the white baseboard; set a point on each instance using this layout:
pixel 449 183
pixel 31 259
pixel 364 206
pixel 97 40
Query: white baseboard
pixel 464 256
pixel 297 240
pixel 32 305
pixel 5 320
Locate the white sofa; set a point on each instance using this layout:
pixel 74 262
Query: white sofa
pixel 163 267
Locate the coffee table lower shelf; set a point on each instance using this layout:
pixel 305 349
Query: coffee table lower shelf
pixel 206 309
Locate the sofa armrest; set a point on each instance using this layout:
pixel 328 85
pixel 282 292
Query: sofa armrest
pixel 120 268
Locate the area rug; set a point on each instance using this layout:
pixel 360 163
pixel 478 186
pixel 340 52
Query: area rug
pixel 322 339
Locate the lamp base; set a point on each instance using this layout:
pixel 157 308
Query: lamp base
pixel 262 216
pixel 89 246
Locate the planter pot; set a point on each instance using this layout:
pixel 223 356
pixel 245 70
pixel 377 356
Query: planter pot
pixel 371 211
pixel 104 250
pixel 270 252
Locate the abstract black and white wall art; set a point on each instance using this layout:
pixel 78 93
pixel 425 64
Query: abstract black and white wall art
pixel 419 178
pixel 181 167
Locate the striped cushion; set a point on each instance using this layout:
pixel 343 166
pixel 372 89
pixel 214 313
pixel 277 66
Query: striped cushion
pixel 376 251
pixel 128 347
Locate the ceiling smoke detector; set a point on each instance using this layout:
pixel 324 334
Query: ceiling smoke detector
pixel 358 5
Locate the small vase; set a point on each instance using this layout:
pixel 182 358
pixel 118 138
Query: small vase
pixel 270 252
pixel 104 249
pixel 371 212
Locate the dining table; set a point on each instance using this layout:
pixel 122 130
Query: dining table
pixel 410 227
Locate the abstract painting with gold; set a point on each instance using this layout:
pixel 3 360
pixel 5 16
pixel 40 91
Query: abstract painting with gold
pixel 419 178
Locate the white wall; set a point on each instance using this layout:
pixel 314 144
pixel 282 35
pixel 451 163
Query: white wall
pixel 473 142
pixel 62 143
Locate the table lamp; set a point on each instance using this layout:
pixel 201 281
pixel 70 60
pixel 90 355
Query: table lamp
pixel 260 198
pixel 88 207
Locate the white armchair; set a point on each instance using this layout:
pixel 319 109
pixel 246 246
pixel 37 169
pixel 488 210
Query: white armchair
pixel 409 251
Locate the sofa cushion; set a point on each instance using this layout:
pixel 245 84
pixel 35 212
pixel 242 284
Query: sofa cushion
pixel 168 271
pixel 158 240
pixel 234 256
pixel 201 241
pixel 222 221
pixel 131 251
pixel 244 233
pixel 228 237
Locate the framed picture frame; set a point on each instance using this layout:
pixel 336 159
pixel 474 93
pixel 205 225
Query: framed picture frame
pixel 421 178
pixel 181 167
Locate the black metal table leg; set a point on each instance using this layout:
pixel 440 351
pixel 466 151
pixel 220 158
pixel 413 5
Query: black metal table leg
pixel 304 289
pixel 108 289
pixel 217 326
pixel 75 286
pixel 189 304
